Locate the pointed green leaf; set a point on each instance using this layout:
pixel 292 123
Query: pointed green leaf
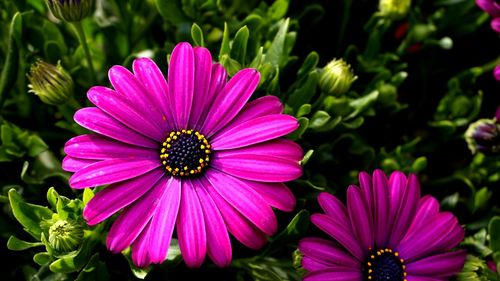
pixel 88 194
pixel 197 35
pixel 278 9
pixel 224 48
pixel 239 46
pixel 303 125
pixel 319 119
pixel 28 215
pixel 309 64
pixel 306 157
pixel 16 244
pixel 304 110
pixel 277 48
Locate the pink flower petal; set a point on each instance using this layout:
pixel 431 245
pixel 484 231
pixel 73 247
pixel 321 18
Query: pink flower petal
pixel 328 252
pixel 277 148
pixel 407 211
pixel 140 248
pixel 230 100
pixel 191 230
pixel 218 243
pixel 441 233
pixel 442 265
pixel 237 224
pixel 312 264
pixel 397 188
pixel 423 278
pixel 381 208
pixel 334 275
pixel 111 171
pixel 125 111
pixel 132 221
pixel 254 131
pixel 96 120
pixel 202 73
pixel 335 209
pixel 257 167
pixel 428 207
pixel 365 183
pixel 156 86
pixel 339 233
pixel 127 84
pixel 278 195
pixel 262 106
pixel 181 83
pixel 72 164
pixel 100 147
pixel 118 196
pixel 244 199
pixel 360 217
pixel 217 83
pixel 163 221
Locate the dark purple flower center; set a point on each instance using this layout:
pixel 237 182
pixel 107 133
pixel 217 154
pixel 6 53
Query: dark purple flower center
pixel 384 265
pixel 185 153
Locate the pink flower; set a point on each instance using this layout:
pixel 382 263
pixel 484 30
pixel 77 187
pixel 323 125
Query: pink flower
pixel 386 232
pixel 189 154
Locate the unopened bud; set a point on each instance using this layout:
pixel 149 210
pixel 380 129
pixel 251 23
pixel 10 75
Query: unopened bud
pixel 70 10
pixel 483 136
pixel 336 78
pixel 65 235
pixel 51 83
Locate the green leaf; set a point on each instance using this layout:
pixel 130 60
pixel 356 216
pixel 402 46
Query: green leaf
pixel 87 195
pixel 28 215
pixel 171 11
pixel 239 47
pixel 52 51
pixel 95 270
pixel 494 231
pixel 140 273
pixel 52 197
pixel 42 258
pixel 319 119
pixel 481 198
pixel 277 48
pixel 303 110
pixel 303 125
pixel 224 47
pixel 363 103
pixel 278 9
pixel 296 228
pixel 309 64
pixel 8 76
pixel 197 35
pixel 16 244
pixel 305 92
pixel 306 157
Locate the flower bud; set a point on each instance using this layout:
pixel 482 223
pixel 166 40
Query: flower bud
pixel 65 235
pixel 483 136
pixel 336 78
pixel 71 10
pixel 394 9
pixel 52 84
pixel 297 262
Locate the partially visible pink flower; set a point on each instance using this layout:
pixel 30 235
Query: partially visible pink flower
pixel 496 73
pixel 386 232
pixel 492 7
pixel 191 154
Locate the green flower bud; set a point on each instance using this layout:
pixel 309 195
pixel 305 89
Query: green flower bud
pixel 336 78
pixel 422 31
pixel 394 9
pixel 52 84
pixel 483 136
pixel 388 94
pixel 297 262
pixel 65 235
pixel 70 10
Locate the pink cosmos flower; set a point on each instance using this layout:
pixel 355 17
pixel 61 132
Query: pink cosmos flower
pixel 386 232
pixel 189 154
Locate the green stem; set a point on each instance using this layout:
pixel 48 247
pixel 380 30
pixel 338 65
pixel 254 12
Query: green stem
pixel 343 26
pixel 83 41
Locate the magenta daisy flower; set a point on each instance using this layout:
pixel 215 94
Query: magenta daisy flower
pixel 386 232
pixel 190 154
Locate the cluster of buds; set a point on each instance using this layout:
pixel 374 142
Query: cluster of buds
pixel 70 10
